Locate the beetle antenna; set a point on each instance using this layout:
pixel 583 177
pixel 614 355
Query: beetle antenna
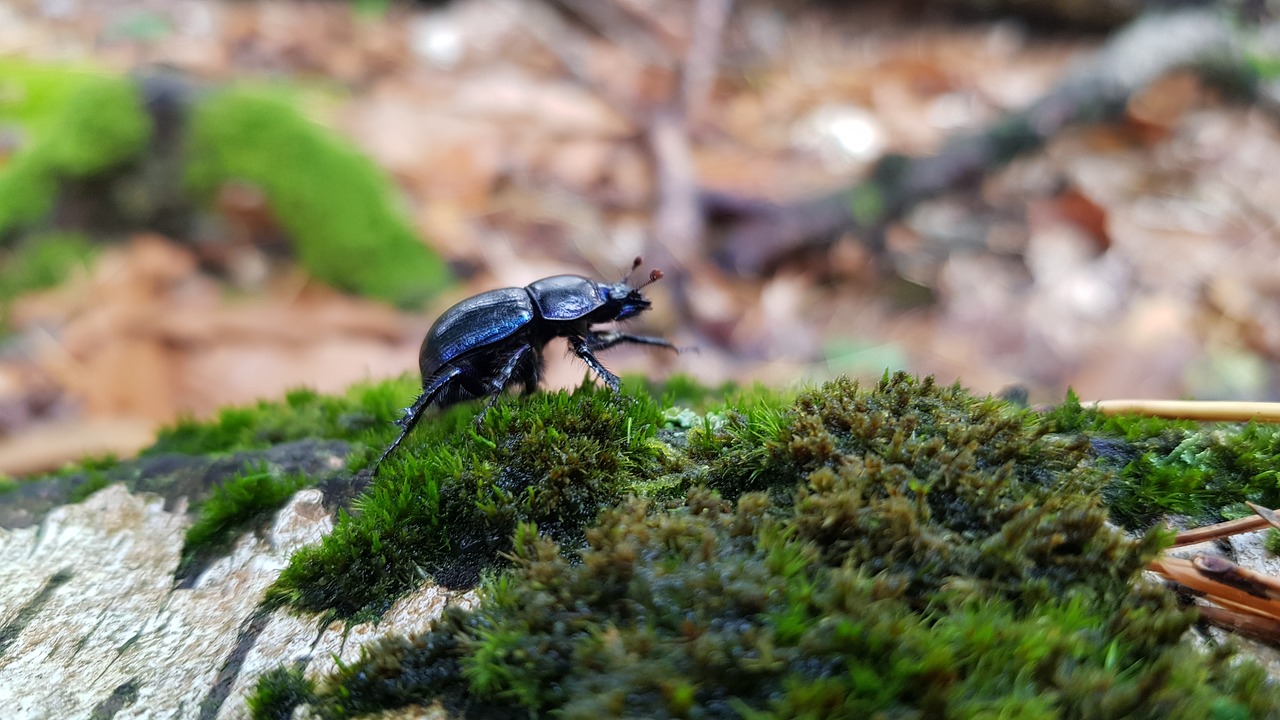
pixel 634 264
pixel 654 276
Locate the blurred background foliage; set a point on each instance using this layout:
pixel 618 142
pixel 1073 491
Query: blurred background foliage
pixel 207 203
pixel 107 141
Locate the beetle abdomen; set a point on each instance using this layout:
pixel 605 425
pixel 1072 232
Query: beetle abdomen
pixel 474 324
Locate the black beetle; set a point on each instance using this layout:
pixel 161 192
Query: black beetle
pixel 493 340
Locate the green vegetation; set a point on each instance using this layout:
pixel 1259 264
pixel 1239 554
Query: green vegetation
pixel 363 414
pixel 93 482
pixel 334 203
pixel 332 200
pixel 712 612
pixel 278 692
pixel 905 549
pixel 41 262
pixel 75 124
pixel 901 551
pixel 95 475
pixel 1203 471
pixel 1272 541
pixel 244 502
pixel 447 504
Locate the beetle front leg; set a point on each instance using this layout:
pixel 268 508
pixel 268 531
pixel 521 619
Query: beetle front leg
pixel 606 340
pixel 583 350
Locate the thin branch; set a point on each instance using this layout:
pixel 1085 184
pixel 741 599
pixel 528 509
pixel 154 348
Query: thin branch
pixel 1221 411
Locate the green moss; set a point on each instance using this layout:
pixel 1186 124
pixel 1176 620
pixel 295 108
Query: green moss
pixel 712 611
pixel 364 414
pixel 446 505
pixel 278 692
pixel 94 471
pixel 31 94
pixel 905 550
pixel 1205 471
pixel 1272 541
pixel 75 124
pixel 93 482
pixel 1072 417
pixel 334 202
pixel 244 502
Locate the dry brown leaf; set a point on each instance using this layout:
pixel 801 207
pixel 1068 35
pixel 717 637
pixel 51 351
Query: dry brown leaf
pixel 51 446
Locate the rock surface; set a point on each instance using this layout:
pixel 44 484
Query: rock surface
pixel 92 624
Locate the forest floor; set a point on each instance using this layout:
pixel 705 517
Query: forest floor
pixel 1135 258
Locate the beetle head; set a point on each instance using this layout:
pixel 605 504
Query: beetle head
pixel 625 299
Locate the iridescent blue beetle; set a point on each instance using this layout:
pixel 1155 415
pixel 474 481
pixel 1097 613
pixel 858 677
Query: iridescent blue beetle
pixel 494 340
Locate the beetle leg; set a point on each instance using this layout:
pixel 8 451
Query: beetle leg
pixel 606 340
pixel 583 350
pixel 504 376
pixel 530 374
pixel 413 413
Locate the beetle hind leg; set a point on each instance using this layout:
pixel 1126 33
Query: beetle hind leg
pixel 499 382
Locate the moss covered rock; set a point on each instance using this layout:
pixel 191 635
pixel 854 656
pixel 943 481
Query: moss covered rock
pixel 903 550
pixel 906 550
pixel 90 140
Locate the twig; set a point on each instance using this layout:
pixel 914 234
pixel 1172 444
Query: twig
pixel 1269 515
pixel 1257 627
pixel 1097 91
pixel 1221 530
pixel 1224 411
pixel 624 27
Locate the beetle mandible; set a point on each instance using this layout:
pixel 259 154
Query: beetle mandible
pixel 491 341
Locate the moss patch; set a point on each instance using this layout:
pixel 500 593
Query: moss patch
pixel 712 611
pixel 905 550
pixel 1204 471
pixel 333 201
pixel 40 262
pixel 91 132
pixel 278 692
pixel 74 124
pixel 363 414
pixel 448 503
pixel 243 502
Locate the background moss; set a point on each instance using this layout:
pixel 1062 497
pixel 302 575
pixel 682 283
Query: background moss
pixel 333 201
pixel 73 124
pixel 1203 471
pixel 337 208
pixel 40 262
pixel 365 414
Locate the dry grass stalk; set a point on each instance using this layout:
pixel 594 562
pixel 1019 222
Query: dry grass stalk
pixel 1220 411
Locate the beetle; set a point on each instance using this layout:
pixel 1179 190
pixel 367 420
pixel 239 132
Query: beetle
pixel 495 340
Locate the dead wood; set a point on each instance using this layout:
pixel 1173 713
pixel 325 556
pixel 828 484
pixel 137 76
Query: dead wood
pixel 1096 91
